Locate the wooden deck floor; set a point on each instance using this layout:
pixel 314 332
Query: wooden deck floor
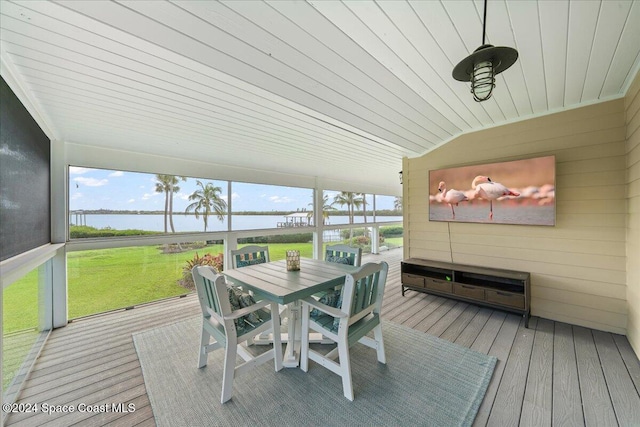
pixel 550 374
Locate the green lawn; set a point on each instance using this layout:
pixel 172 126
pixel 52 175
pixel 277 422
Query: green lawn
pixel 20 304
pixel 393 242
pixel 19 324
pixel 107 279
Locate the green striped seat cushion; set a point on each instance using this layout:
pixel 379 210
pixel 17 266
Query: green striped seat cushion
pixel 241 299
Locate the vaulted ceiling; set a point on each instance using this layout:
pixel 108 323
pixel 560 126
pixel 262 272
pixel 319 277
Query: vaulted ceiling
pixel 322 88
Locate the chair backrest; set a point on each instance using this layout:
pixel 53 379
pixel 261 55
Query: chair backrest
pixel 212 292
pixel 249 255
pixel 343 254
pixel 363 290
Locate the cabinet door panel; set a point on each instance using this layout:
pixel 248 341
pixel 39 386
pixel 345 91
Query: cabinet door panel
pixel 505 298
pixel 469 291
pixel 437 284
pixel 412 280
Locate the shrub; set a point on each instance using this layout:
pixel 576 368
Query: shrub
pixel 392 230
pixel 356 231
pixel 216 262
pixel 278 238
pixel 360 241
pixel 388 231
pixel 84 232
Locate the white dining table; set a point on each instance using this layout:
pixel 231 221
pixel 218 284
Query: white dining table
pixel 272 281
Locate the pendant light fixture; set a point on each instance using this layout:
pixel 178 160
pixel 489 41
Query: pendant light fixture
pixel 482 66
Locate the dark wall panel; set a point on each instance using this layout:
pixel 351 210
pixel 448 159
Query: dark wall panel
pixel 25 201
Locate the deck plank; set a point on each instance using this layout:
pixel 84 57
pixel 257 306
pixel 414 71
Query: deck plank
pixel 501 348
pixel 507 405
pixel 472 329
pixel 489 332
pixel 567 403
pixel 598 408
pixel 630 359
pixel 536 407
pixel 409 305
pixel 455 328
pixel 427 322
pixel 624 396
pixel 445 321
pixel 417 313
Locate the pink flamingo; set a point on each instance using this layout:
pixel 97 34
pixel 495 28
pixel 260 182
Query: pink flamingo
pixel 490 190
pixel 453 197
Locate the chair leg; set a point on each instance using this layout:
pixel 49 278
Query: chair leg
pixel 345 369
pixel 304 339
pixel 228 370
pixel 204 342
pixel 377 334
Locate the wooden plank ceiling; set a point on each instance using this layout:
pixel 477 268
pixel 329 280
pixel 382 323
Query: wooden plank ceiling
pixel 322 88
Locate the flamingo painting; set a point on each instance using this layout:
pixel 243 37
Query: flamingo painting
pixel 453 197
pixel 489 190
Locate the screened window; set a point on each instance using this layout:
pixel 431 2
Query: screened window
pixel 388 208
pixel 259 206
pixel 107 279
pixel 25 323
pixel 108 203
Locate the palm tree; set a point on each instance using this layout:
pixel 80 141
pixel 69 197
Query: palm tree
pixel 174 189
pixel 168 184
pixel 397 203
pixel 353 201
pixel 163 185
pixel 363 197
pixel 207 201
pixel 326 207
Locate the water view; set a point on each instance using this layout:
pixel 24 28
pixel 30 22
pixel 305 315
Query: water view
pixel 188 223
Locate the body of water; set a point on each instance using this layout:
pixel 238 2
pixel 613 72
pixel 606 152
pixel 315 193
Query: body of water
pixel 189 223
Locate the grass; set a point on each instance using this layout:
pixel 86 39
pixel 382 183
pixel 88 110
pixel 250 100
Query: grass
pixel 393 242
pixel 20 304
pixel 19 324
pixel 108 279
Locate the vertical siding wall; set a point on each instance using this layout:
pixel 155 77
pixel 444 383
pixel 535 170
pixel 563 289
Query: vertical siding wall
pixel 632 107
pixel 579 266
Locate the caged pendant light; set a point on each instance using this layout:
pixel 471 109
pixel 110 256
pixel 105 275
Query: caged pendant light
pixel 482 66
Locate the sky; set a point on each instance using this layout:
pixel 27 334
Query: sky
pixel 92 189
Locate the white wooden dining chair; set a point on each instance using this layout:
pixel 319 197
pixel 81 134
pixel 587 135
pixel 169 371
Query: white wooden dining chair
pixel 220 322
pixel 343 254
pixel 249 255
pixel 357 314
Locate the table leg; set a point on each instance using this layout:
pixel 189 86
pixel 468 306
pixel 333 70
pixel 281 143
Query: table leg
pixel 291 357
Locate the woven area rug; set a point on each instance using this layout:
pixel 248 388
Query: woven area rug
pixel 426 381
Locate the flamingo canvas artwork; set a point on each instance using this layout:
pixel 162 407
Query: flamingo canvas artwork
pixel 514 192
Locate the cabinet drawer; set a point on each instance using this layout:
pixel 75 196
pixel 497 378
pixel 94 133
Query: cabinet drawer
pixel 468 291
pixel 505 298
pixel 437 284
pixel 412 280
